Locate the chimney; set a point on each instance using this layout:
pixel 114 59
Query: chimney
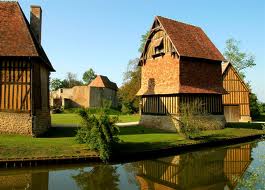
pixel 35 21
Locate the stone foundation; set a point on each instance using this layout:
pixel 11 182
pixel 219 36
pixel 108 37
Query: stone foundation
pixel 15 123
pixel 170 122
pixel 163 122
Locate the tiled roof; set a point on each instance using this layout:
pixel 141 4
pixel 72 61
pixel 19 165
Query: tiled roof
pixel 103 81
pixel 189 40
pixel 16 37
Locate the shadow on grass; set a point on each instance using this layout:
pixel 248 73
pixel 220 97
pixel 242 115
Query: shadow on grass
pixel 132 130
pixel 55 132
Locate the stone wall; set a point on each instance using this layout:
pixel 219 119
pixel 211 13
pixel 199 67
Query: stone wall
pixel 170 122
pixel 41 122
pixel 15 123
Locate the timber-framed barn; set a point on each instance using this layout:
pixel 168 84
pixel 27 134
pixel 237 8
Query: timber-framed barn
pixel 25 70
pixel 179 64
pixel 236 101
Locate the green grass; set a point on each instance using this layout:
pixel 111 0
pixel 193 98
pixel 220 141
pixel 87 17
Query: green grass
pixel 137 138
pixel 74 119
pixel 60 141
pixel 15 146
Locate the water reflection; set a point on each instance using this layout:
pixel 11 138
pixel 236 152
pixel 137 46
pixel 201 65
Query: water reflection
pixel 197 170
pixel 209 169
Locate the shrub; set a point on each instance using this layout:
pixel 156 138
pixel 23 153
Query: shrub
pixel 98 132
pixel 56 109
pixel 194 119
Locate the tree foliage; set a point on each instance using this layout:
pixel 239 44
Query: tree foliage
pixel 240 60
pixel 89 75
pixel 69 82
pixel 132 82
pixel 56 84
pixel 142 42
pixel 131 85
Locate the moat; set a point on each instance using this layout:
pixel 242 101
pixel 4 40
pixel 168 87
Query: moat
pixel 217 168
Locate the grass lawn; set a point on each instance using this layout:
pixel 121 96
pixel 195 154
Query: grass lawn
pixel 60 141
pixel 138 138
pixel 15 146
pixel 73 118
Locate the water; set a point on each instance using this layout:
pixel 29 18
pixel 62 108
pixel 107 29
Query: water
pixel 218 168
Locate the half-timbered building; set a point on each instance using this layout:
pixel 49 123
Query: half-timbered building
pixel 24 72
pixel 179 65
pixel 236 101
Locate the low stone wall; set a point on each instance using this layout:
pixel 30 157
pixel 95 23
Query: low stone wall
pixel 41 122
pixel 15 123
pixel 170 122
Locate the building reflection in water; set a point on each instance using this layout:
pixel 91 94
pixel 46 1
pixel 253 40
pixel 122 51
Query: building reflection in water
pixel 196 170
pixel 209 169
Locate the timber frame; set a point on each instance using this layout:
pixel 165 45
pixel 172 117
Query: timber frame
pixel 237 96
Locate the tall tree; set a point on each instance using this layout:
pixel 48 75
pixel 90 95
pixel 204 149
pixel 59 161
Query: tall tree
pixel 89 75
pixel 240 60
pixel 132 82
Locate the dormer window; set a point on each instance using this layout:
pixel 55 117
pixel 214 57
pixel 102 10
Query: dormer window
pixel 158 47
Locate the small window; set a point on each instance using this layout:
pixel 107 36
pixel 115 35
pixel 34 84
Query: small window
pixel 158 47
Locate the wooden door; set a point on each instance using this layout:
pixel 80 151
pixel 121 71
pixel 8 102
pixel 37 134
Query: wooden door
pixel 232 113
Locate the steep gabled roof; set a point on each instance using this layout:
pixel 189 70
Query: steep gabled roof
pixel 103 81
pixel 225 66
pixel 189 40
pixel 16 37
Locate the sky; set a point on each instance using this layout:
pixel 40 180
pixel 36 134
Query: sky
pixel 105 35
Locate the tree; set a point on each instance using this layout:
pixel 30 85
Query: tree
pixel 240 60
pixel 71 80
pixel 131 85
pixel 132 82
pixel 56 84
pixel 88 76
pixel 255 106
pixel 142 42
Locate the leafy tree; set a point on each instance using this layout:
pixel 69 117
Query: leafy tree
pixel 131 85
pixel 88 76
pixel 56 84
pixel 240 60
pixel 143 40
pixel 71 81
pixel 255 106
pixel 132 82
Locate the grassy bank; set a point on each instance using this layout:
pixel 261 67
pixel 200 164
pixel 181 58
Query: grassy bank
pixel 60 141
pixel 74 119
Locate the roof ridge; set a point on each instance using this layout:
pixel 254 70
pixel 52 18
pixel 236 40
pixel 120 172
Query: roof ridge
pixel 177 21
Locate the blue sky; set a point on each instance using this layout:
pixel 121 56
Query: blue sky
pixel 105 35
